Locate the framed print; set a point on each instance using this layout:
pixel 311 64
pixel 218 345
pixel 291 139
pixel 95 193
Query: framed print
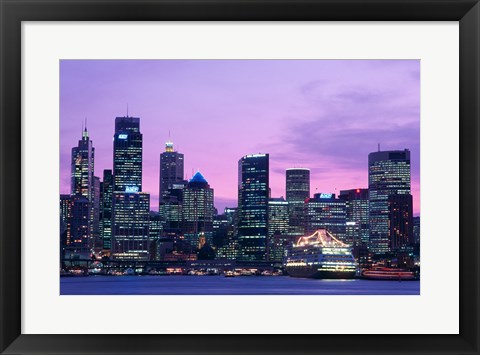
pixel 240 177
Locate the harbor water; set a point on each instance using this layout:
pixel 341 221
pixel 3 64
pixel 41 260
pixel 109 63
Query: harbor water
pixel 220 285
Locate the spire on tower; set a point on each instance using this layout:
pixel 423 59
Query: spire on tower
pixel 169 144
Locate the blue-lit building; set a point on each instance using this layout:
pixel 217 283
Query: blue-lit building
pixel 326 211
pixel 253 195
pixel 388 174
pixel 198 211
pixel 130 206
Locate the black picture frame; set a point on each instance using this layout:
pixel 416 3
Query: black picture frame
pixel 13 12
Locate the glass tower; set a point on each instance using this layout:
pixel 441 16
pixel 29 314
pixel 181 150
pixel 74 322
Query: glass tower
pixel 130 206
pixel 107 195
pixel 171 170
pixel 388 174
pixel 278 228
pixel 253 194
pixel 357 226
pixel 127 155
pixel 326 211
pixel 297 191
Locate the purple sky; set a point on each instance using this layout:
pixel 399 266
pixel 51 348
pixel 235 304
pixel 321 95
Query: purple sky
pixel 326 115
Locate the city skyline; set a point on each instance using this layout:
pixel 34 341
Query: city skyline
pixel 336 153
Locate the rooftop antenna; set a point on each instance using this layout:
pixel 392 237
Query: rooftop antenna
pixel 378 146
pixel 127 110
pixel 85 123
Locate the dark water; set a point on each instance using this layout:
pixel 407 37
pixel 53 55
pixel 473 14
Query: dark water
pixel 220 285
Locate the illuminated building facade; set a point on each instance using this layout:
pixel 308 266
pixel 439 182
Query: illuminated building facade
pixel 66 203
pixel 198 210
pixel 127 155
pixel 357 227
pixel 130 228
pixel 388 174
pixel 82 179
pixel 81 240
pixel 253 194
pixel 107 194
pixel 278 228
pixel 97 242
pixel 416 230
pixel 130 206
pixel 324 211
pixel 171 170
pixel 297 191
pixel 400 221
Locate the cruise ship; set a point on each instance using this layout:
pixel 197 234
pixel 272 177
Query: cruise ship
pixel 320 256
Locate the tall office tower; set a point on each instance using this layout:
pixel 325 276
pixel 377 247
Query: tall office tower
pixel 357 216
pixel 298 190
pixel 171 170
pixel 400 221
pixel 278 228
pixel 130 226
pixel 107 194
pixel 253 194
pixel 82 179
pixel 130 206
pixel 127 155
pixel 198 210
pixel 325 211
pixel 388 174
pixel 82 165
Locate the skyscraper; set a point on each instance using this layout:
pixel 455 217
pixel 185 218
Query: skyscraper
pixel 83 185
pixel 82 165
pixel 388 174
pixel 297 191
pixel 357 227
pixel 253 194
pixel 127 155
pixel 107 195
pixel 400 220
pixel 326 211
pixel 171 170
pixel 278 228
pixel 198 210
pixel 130 206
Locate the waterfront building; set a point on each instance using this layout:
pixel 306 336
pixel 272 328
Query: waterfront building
pixel 107 194
pixel 81 241
pixel 155 229
pixel 81 178
pixel 357 217
pixel 130 226
pixel 130 206
pixel 171 170
pixel 278 228
pixel 197 210
pixel 170 208
pixel 297 191
pixel 253 194
pixel 127 155
pixel 324 211
pixel 400 221
pixel 388 174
